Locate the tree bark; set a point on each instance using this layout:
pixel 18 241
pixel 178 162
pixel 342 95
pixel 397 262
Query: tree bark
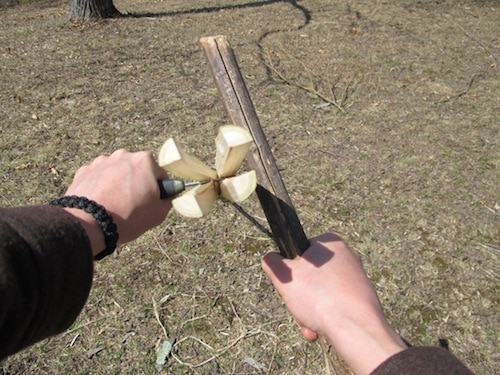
pixel 8 3
pixel 91 10
pixel 271 191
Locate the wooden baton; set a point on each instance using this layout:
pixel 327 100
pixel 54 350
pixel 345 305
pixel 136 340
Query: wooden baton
pixel 271 191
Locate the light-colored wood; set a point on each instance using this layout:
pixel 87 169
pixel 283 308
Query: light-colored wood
pixel 182 164
pixel 233 143
pixel 237 189
pixel 197 202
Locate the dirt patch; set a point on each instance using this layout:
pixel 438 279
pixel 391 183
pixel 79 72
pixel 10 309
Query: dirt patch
pixel 383 118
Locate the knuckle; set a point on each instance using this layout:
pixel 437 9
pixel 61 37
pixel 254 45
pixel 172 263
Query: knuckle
pixel 120 152
pixel 145 156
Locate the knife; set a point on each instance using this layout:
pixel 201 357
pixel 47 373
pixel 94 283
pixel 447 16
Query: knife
pixel 171 187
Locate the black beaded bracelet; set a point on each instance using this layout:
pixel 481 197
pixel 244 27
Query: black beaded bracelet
pixel 104 219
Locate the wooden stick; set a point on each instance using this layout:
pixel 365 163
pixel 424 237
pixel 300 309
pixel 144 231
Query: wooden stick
pixel 273 196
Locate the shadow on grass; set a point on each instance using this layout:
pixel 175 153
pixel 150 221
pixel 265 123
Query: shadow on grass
pixel 294 3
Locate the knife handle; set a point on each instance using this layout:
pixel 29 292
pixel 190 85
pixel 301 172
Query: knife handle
pixel 170 188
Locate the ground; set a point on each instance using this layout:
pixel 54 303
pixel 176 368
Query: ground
pixel 383 117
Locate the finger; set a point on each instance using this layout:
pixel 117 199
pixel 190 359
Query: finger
pixel 308 334
pixel 271 263
pixel 159 172
pixel 274 265
pixel 147 156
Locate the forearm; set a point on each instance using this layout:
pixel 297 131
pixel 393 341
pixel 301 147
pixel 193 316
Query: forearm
pixel 422 361
pixel 46 252
pixel 366 349
pixel 45 274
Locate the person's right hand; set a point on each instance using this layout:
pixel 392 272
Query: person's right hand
pixel 126 184
pixel 329 294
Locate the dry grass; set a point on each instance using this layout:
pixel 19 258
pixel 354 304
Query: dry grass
pixel 408 175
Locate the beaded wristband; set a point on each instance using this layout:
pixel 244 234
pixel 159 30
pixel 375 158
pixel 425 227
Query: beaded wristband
pixel 103 218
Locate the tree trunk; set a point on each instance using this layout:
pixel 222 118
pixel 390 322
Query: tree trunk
pixel 8 3
pixel 89 10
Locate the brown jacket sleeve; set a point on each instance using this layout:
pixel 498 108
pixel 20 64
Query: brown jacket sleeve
pixel 422 361
pixel 46 270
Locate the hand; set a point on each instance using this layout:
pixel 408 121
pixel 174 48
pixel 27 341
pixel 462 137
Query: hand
pixel 329 294
pixel 126 185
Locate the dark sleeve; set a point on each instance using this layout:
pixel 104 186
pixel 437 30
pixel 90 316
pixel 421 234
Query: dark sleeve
pixel 46 270
pixel 422 361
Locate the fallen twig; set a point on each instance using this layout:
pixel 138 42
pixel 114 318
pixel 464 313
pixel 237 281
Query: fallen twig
pixel 461 93
pixel 448 16
pixel 309 89
pixel 218 353
pixel 157 316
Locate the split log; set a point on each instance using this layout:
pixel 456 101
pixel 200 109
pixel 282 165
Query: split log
pixel 271 191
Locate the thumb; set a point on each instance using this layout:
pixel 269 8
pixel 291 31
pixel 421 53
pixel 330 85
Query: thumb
pixel 274 265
